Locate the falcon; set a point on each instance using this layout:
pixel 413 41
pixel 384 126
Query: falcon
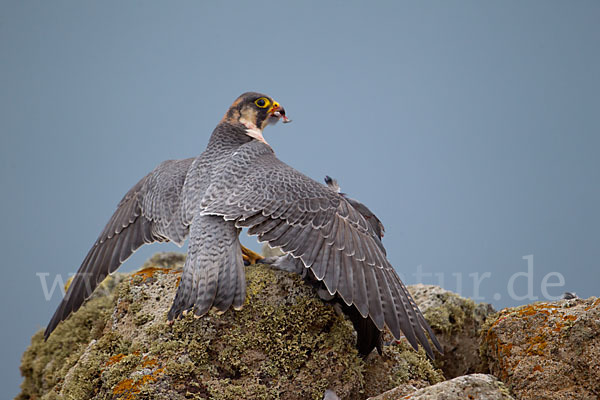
pixel 238 182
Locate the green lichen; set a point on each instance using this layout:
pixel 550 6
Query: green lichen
pixel 504 389
pixel 227 390
pixel 399 365
pixel 451 316
pixel 285 343
pixel 456 322
pixel 45 363
pixel 90 373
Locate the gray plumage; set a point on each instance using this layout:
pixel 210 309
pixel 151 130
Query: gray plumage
pixel 238 182
pixel 371 218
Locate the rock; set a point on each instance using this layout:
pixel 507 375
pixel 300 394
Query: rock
pixel 399 365
pixel 547 350
pixel 456 322
pixel 475 386
pixel 285 343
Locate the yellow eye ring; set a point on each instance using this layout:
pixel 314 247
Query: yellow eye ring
pixel 263 102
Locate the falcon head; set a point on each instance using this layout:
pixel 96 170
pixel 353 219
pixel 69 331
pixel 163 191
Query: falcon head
pixel 255 111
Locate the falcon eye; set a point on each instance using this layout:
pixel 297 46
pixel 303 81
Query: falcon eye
pixel 262 102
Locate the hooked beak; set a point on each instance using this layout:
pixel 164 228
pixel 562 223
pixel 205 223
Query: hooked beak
pixel 279 112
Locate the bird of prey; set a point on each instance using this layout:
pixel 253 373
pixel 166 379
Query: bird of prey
pixel 238 182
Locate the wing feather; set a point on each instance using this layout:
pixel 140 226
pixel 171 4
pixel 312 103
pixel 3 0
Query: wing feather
pixel 332 276
pixel 302 241
pixel 139 219
pixel 360 297
pixel 345 282
pixel 263 227
pixel 273 235
pixel 319 267
pixel 287 237
pixel 253 220
pixel 314 250
pixel 340 238
pixel 403 310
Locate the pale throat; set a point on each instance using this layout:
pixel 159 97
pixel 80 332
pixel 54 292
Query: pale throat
pixel 253 131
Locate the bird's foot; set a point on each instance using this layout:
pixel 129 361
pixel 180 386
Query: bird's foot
pixel 250 257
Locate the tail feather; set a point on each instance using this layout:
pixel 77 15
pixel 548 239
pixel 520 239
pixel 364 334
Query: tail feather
pixel 213 274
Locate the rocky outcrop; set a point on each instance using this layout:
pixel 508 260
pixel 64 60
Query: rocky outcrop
pixel 456 322
pixel 475 386
pixel 285 343
pixel 547 350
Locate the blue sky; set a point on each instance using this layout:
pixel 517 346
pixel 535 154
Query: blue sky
pixel 470 128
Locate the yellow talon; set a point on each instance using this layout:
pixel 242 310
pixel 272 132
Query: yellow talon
pixel 250 256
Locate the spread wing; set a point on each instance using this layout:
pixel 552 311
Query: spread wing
pixel 149 212
pixel 312 222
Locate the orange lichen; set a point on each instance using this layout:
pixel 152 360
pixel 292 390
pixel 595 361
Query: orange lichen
pixel 542 334
pixel 537 309
pixel 126 385
pixel 149 362
pixel 117 359
pixel 536 345
pixel 504 352
pixel 127 389
pixel 114 359
pixel 149 272
pixel 593 305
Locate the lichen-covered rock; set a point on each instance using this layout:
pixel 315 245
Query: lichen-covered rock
pixel 285 343
pixel 399 365
pixel 457 322
pixel 474 386
pixel 547 350
pixel 45 363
